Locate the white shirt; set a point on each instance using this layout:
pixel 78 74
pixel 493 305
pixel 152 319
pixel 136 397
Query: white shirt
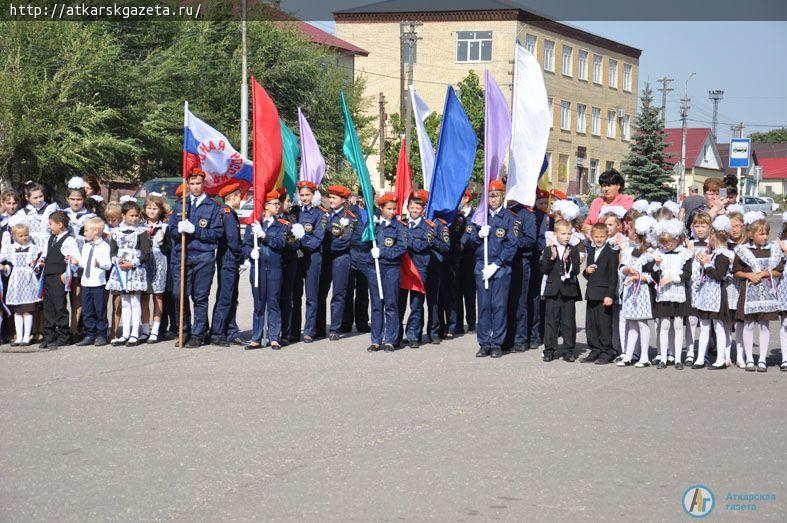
pixel 414 223
pixel 494 212
pixel 561 249
pixel 101 255
pixel 69 247
pixel 384 222
pixel 466 211
pixel 597 252
pixel 267 222
pixel 196 201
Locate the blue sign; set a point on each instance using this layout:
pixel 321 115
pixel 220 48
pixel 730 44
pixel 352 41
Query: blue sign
pixel 740 153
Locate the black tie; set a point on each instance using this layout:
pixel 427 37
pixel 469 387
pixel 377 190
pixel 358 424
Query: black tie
pixel 89 265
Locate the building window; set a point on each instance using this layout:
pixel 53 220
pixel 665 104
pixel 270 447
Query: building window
pixel 613 73
pixel 530 44
pixel 551 112
pixel 474 46
pixel 562 168
pixel 549 167
pixel 610 124
pixel 593 172
pixel 549 55
pixel 597 70
pixel 568 63
pixel 581 110
pixel 627 127
pixel 595 123
pixel 610 165
pixel 627 77
pixel 565 115
pixel 582 73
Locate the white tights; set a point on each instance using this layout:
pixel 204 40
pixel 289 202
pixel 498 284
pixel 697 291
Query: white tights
pixel 23 324
pixel 720 328
pixel 783 339
pixel 689 333
pixel 637 329
pixel 130 315
pixel 748 339
pixel 664 337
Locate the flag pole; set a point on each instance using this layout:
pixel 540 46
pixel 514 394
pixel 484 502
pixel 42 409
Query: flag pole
pixel 183 238
pixel 486 260
pixel 377 272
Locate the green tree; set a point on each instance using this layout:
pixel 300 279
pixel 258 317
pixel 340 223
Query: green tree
pixel 645 171
pixel 471 95
pixel 772 136
pixel 393 146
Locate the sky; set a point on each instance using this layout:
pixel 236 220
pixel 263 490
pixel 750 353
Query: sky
pixel 744 59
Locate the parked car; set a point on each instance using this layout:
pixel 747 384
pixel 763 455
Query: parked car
pixel 164 186
pixel 774 205
pixel 583 207
pixel 754 203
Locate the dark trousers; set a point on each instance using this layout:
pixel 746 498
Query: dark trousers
pixel 560 319
pixel 266 296
pixel 413 330
pixel 528 308
pixel 385 312
pixel 492 307
pixel 94 312
pixel 55 310
pixel 289 268
pixel 308 276
pixel 223 323
pixel 465 284
pixel 199 277
pixel 356 304
pixel 448 300
pixel 598 327
pixel 433 284
pixel 515 291
pixel 334 275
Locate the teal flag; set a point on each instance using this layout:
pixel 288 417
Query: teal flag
pixel 354 155
pixel 290 154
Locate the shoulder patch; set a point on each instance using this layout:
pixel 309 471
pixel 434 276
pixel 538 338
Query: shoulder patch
pixel 513 213
pixel 282 220
pixel 350 213
pixel 227 210
pixel 429 222
pixel 442 221
pixel 403 223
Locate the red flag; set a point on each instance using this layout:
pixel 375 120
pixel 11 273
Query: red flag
pixel 404 175
pixel 409 278
pixel 267 146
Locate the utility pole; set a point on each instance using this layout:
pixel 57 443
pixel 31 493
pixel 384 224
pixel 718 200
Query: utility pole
pixel 382 117
pixel 684 115
pixel 244 88
pixel 409 37
pixel 664 90
pixel 715 97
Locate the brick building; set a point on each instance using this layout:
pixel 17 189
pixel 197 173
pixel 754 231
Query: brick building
pixel 591 81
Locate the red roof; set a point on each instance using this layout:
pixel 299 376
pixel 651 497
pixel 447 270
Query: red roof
pixel 695 139
pixel 773 168
pixel 318 36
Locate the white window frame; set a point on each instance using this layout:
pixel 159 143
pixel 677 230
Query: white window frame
pixel 627 73
pixel 593 171
pixel 626 127
pixel 568 60
pixel 582 110
pixel 470 41
pixel 595 121
pixel 531 39
pixel 598 69
pixel 582 65
pixel 551 112
pixel 565 115
pixel 549 56
pixel 611 124
pixel 613 73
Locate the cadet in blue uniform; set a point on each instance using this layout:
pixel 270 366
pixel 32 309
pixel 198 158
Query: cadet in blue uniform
pixel 314 220
pixel 449 295
pixel 515 291
pixel 229 256
pixel 440 247
pixel 203 229
pixel 266 262
pixel 356 303
pixel 289 268
pixel 502 245
pixel 465 281
pixel 391 246
pixel 420 237
pixel 336 256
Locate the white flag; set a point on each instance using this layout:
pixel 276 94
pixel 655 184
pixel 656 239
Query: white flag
pixel 530 128
pixel 421 112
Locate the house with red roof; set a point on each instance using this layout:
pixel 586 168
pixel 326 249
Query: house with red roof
pixel 703 160
pixel 774 177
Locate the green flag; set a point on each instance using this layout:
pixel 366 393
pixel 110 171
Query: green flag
pixel 290 154
pixel 354 155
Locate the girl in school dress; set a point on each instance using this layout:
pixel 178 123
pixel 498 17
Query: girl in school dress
pixel 758 264
pixel 637 297
pixel 671 271
pixel 156 212
pixel 130 249
pixel 782 293
pixel 709 294
pixel 20 262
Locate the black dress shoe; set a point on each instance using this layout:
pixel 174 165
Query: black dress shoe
pixel 43 345
pixel 85 342
pixel 534 344
pixel 603 360
pixel 569 358
pixel 334 336
pixel 471 328
pixel 275 345
pixel 194 343
pixel 548 356
pixel 591 357
pixel 364 329
pixel 373 348
pixel 482 352
pixel 239 342
pixel 414 344
pixel 698 366
pixel 388 347
pixel 435 341
pixel 219 342
pixel 308 339
pixel 497 352
pixel 449 336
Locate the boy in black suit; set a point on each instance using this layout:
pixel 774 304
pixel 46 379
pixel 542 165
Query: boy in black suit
pixel 560 263
pixel 602 276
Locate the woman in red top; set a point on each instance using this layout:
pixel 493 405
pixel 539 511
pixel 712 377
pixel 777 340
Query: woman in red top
pixel 612 184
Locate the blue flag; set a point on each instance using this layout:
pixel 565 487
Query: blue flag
pixel 454 160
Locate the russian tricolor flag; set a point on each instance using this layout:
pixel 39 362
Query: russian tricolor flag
pixel 211 151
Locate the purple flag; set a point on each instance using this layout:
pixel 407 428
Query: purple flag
pixel 497 138
pixel 312 162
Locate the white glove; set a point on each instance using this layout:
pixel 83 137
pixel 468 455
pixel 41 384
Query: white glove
pixel 244 266
pixel 489 271
pixel 484 232
pixel 299 252
pixel 376 219
pixel 185 226
pixel 159 237
pixel 375 253
pixel 256 228
pixel 298 231
pixel 255 254
pixel 344 222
